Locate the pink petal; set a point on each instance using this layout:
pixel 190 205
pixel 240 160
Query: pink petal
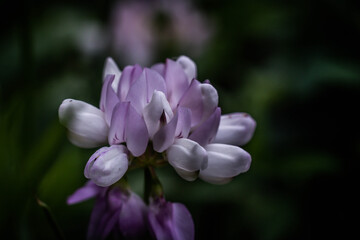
pixel 137 135
pixel 89 190
pixel 128 126
pixel 129 75
pixel 170 221
pixel 184 123
pixel 108 98
pixel 165 136
pixel 177 127
pixel 182 222
pixel 132 222
pixel 111 68
pixel 160 68
pixel 192 100
pixel 176 82
pixel 141 91
pixel 205 133
pixel 118 123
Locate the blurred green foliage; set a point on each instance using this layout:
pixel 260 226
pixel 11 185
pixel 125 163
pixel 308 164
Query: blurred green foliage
pixel 292 65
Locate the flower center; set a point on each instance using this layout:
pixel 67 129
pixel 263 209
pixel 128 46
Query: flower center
pixel 149 158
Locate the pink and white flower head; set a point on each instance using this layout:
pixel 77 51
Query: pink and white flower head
pixel 158 112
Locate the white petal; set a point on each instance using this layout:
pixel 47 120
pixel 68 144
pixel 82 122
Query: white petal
pixel 235 129
pixel 187 175
pixel 210 99
pixel 111 68
pixel 187 157
pixel 214 180
pixel 189 67
pixel 86 123
pixel 154 110
pixel 107 165
pixel 224 162
pixel 84 141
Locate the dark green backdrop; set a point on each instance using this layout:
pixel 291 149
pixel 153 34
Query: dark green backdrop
pixel 292 65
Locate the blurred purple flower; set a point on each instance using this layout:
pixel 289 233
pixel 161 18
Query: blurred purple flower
pixel 170 221
pixel 167 106
pixel 115 210
pixel 141 28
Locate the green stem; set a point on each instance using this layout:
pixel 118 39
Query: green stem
pixel 50 217
pixel 153 187
pixel 147 185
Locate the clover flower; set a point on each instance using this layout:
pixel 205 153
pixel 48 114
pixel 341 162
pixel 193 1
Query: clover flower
pixel 152 116
pixel 162 109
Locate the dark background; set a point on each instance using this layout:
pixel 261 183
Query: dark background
pixel 292 65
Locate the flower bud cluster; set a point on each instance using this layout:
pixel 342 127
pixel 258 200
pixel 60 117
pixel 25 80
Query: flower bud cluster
pixel 163 107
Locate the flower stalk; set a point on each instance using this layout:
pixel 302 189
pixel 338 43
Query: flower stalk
pixel 153 187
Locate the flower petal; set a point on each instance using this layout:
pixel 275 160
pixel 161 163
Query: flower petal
pixel 182 222
pixel 205 133
pixel 188 176
pixel 202 99
pixel 86 123
pixel 224 162
pixel 192 99
pixel 178 126
pixel 141 91
pixel 170 221
pixel 128 126
pixel 129 75
pixel 184 123
pixel 98 219
pixel 109 221
pixel 159 223
pixel 105 214
pixel 215 180
pixel 108 98
pixel 89 190
pixel 176 82
pixel 107 165
pixel 189 67
pixel 160 68
pixel 155 110
pixel 118 123
pixel 132 217
pixel 187 157
pixel 111 68
pixel 235 129
pixel 210 100
pixel 165 136
pixel 137 135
